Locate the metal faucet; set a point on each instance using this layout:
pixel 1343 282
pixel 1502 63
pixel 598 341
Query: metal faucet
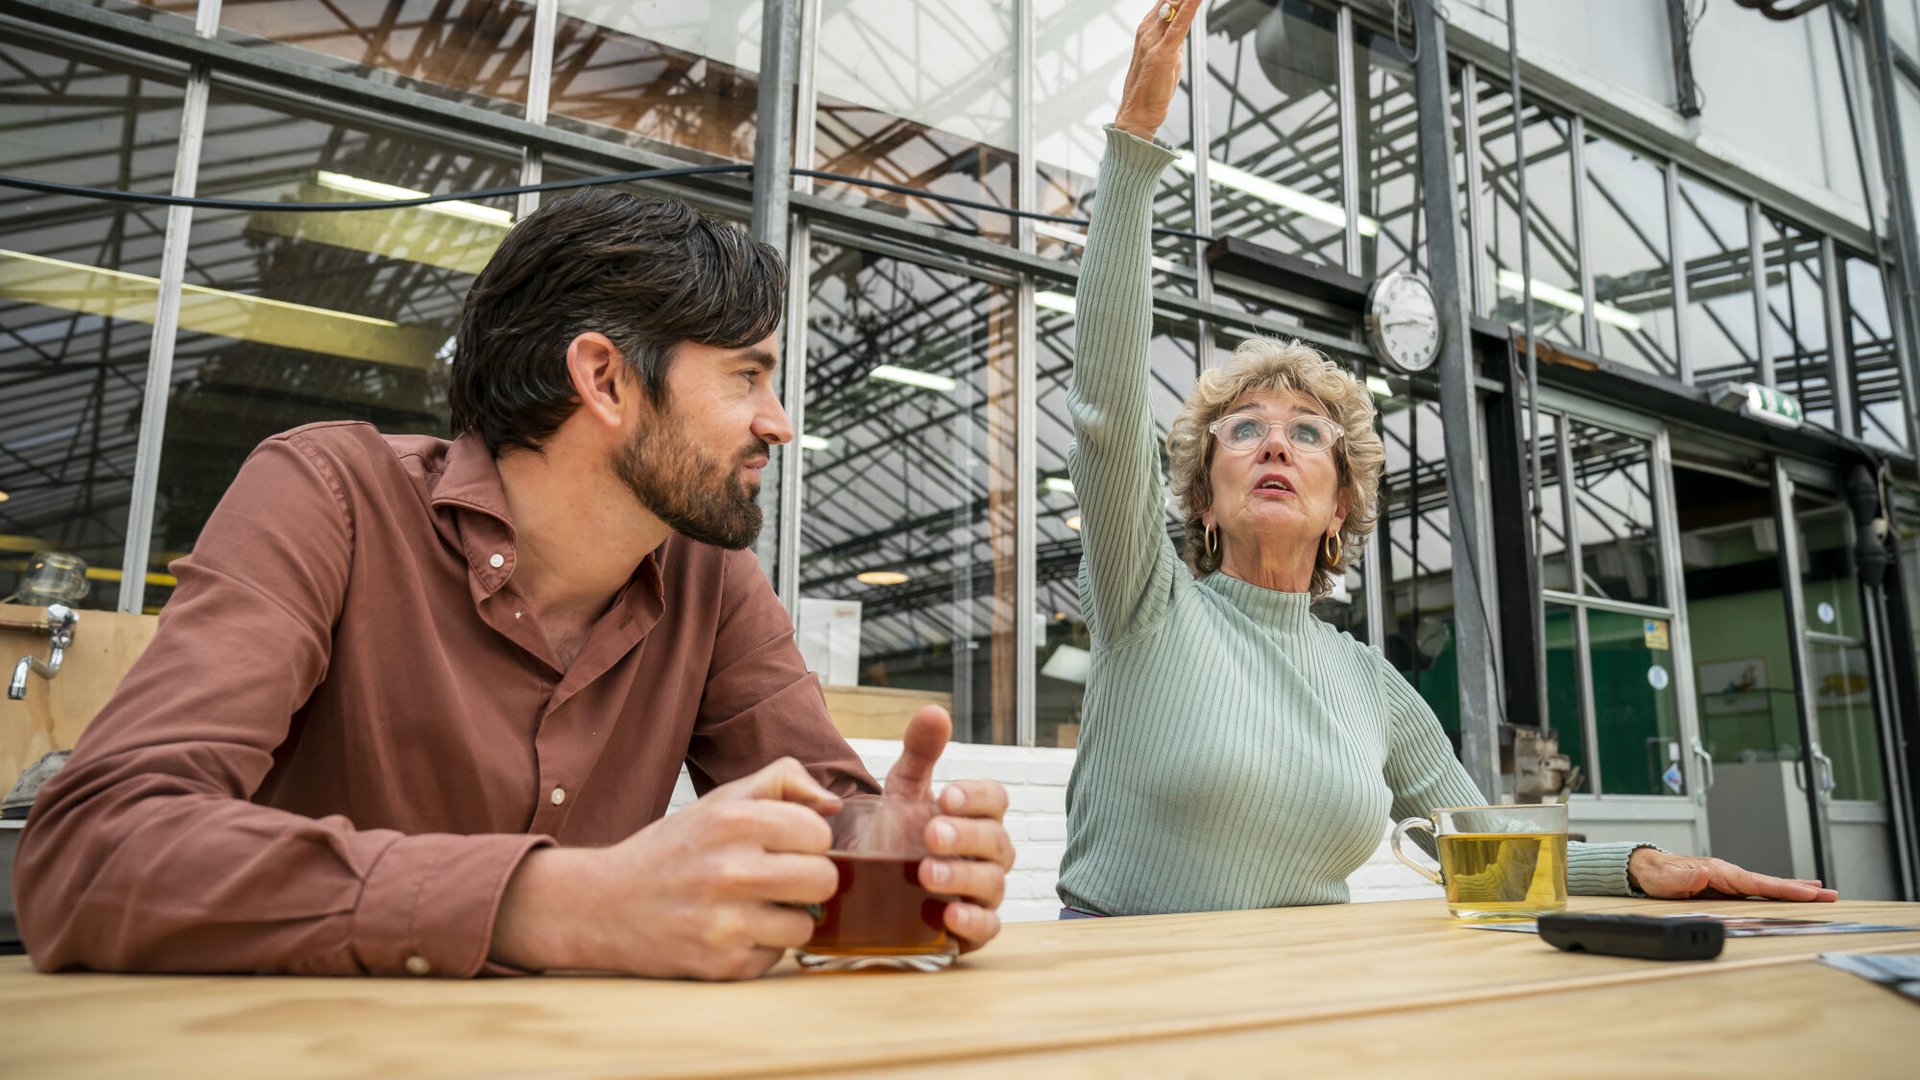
pixel 60 623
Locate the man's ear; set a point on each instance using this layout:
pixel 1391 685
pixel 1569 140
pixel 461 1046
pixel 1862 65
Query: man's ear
pixel 600 378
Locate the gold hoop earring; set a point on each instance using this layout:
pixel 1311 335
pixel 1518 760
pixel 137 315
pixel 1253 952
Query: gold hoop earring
pixel 1212 542
pixel 1333 549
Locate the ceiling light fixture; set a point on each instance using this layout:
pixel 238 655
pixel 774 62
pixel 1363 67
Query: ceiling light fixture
pixel 1568 301
pixel 1219 172
pixel 925 380
pixel 814 442
pixel 1057 301
pixel 374 189
pixel 1058 484
pixel 880 577
pixel 1074 523
pixel 117 294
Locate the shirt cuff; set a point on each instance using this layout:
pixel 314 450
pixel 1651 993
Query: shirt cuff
pixel 1601 869
pixel 428 906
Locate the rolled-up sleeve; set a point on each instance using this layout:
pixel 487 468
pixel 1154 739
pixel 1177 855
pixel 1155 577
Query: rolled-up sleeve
pixel 145 852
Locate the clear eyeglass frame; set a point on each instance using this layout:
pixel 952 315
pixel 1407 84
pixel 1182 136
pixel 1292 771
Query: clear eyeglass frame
pixel 1294 429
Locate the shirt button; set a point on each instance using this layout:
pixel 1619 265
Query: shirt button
pixel 559 795
pixel 496 560
pixel 417 965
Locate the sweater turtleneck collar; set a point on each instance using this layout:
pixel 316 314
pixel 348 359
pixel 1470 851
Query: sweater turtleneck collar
pixel 1286 611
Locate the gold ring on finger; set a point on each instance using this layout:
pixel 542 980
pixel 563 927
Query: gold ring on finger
pixel 1168 11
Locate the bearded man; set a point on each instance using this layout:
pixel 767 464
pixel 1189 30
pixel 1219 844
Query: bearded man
pixel 418 706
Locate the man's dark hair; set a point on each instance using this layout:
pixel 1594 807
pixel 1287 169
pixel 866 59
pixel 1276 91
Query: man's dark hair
pixel 647 273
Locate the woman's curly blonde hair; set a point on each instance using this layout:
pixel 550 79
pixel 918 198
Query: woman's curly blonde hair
pixel 1282 368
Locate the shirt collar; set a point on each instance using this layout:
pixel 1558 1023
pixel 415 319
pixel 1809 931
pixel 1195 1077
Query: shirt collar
pixel 471 503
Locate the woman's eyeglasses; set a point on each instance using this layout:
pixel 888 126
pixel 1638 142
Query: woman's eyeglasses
pixel 1242 432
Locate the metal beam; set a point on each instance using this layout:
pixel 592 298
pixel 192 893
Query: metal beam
pixel 1026 453
pixel 1887 82
pixel 166 326
pixel 1479 724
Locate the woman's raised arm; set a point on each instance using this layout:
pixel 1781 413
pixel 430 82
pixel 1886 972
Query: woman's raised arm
pixel 1115 464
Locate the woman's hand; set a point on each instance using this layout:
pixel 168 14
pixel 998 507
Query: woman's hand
pixel 1155 72
pixel 1689 877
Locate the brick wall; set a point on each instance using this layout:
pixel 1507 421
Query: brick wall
pixel 1036 780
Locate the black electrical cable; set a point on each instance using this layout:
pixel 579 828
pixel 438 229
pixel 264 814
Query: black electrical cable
pixel 198 202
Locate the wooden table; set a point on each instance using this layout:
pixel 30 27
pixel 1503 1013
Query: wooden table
pixel 1353 990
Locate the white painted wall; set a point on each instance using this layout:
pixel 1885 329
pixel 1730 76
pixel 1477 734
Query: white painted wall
pixel 1772 100
pixel 1036 780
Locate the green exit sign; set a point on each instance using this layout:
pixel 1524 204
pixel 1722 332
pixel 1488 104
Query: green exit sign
pixel 1770 406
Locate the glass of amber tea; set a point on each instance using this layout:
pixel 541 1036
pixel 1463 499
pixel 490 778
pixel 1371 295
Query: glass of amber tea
pixel 1497 863
pixel 880 917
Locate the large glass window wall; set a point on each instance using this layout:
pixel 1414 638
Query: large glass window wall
pixel 1796 316
pixel 676 78
pixel 471 50
pixel 1552 228
pixel 1633 258
pixel 919 95
pixel 79 292
pixel 1273 145
pixel 289 318
pixel 1081 50
pixel 1872 359
pixel 1716 250
pixel 907 522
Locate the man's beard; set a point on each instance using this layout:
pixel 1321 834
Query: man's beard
pixel 687 487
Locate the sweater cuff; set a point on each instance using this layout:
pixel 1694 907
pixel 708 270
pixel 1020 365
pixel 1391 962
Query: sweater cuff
pixel 429 904
pixel 1600 869
pixel 1134 161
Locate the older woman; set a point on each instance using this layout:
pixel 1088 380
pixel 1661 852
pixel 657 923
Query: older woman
pixel 1236 752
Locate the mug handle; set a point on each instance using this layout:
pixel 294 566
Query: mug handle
pixel 1399 831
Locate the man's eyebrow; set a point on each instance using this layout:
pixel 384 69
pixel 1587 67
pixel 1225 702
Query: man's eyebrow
pixel 758 356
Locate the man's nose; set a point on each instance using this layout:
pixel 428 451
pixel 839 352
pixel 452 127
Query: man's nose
pixel 771 425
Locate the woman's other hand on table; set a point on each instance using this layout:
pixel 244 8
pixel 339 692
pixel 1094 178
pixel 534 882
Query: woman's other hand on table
pixel 1154 74
pixel 1691 877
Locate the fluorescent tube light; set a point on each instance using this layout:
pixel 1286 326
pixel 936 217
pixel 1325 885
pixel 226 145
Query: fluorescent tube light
pixel 1074 523
pixel 1561 298
pixel 1219 172
pixel 1378 386
pixel 117 294
pixel 925 380
pixel 374 189
pixel 881 577
pixel 814 442
pixel 1058 301
pixel 1058 484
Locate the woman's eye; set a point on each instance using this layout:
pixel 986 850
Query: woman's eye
pixel 1307 434
pixel 1244 431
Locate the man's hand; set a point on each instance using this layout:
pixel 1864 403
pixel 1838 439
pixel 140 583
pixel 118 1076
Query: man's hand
pixel 1691 877
pixel 969 836
pixel 1154 74
pixel 705 892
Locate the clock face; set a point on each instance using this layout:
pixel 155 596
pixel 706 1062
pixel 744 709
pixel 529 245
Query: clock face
pixel 1403 322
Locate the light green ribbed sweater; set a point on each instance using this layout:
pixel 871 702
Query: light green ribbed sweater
pixel 1235 751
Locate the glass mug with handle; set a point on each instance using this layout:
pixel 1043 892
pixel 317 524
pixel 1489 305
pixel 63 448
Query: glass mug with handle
pixel 1496 862
pixel 880 916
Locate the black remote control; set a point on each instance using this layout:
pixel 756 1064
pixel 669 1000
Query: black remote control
pixel 1644 937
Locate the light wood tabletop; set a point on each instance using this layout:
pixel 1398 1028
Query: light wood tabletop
pixel 1353 989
